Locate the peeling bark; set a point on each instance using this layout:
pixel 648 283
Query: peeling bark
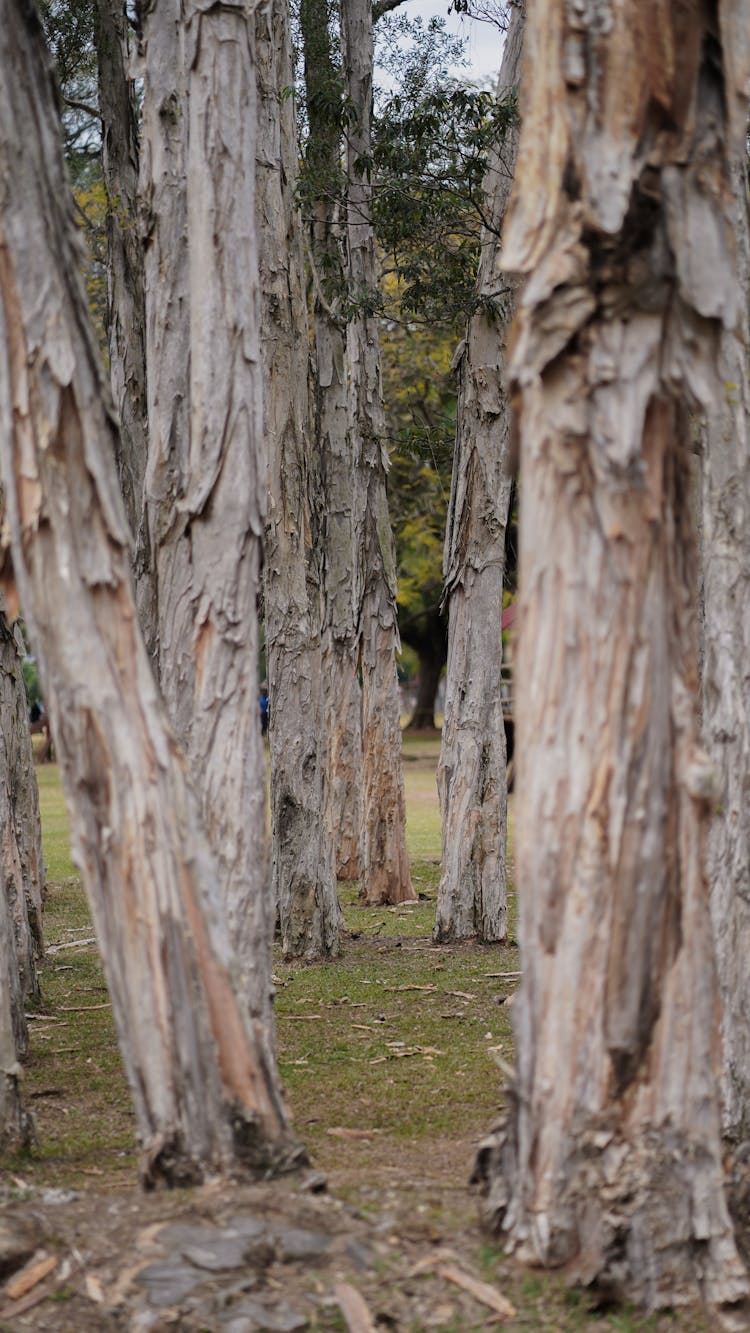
pixel 206 477
pixel 304 881
pixel 384 864
pixel 340 570
pixel 726 692
pixel 16 1127
pixel 472 770
pixel 126 314
pixel 203 1082
pixel 622 216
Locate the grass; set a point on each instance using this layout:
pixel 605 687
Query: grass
pixel 396 1040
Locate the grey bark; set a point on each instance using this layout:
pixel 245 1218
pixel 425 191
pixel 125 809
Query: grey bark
pixel 611 1161
pixel 204 1086
pixel 126 314
pixel 726 682
pixel 472 770
pixel 20 826
pixel 384 864
pixel 206 477
pixel 16 1127
pixel 303 872
pixel 341 573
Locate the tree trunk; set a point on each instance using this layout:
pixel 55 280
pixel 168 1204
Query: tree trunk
pixel 343 794
pixel 611 1164
pixel 384 866
pixel 304 881
pixel 204 1084
pixel 726 697
pixel 472 769
pixel 206 476
pixel 20 825
pixel 428 683
pixel 16 1128
pixel 126 315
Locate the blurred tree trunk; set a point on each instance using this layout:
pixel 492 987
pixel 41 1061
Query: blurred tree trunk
pixel 726 682
pixel 343 797
pixel 204 1085
pixel 126 315
pixel 427 636
pixel 611 1161
pixel 384 864
pixel 304 880
pixel 20 825
pixel 207 469
pixel 472 768
pixel 16 1127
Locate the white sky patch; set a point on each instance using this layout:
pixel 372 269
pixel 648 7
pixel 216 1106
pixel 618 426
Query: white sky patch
pixel 484 40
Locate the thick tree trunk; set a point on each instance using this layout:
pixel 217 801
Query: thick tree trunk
pixel 343 794
pixel 622 215
pixel 726 686
pixel 304 880
pixel 206 478
pixel 203 1081
pixel 126 314
pixel 472 769
pixel 384 866
pixel 20 825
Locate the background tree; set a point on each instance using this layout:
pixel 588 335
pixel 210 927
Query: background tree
pixel 623 218
pixel 205 1090
pixel 304 882
pixel 472 769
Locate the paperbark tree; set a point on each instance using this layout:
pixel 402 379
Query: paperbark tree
pixel 203 1082
pixel 726 696
pixel 126 315
pixel 622 216
pixel 472 769
pixel 323 85
pixel 16 1127
pixel 384 863
pixel 303 872
pixel 20 826
pixel 206 476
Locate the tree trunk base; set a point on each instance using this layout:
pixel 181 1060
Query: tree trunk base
pixel 635 1221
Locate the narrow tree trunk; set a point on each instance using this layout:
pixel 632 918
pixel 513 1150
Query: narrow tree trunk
pixel 207 463
pixel 20 825
pixel 126 315
pixel 304 881
pixel 204 1085
pixel 726 692
pixel 472 769
pixel 343 795
pixel 384 867
pixel 612 1161
pixel 15 1126
pixel 431 662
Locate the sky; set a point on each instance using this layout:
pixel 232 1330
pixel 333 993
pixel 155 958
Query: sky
pixel 485 40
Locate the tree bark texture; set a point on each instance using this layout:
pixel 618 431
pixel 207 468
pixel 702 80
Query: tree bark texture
pixel 204 1085
pixel 340 570
pixel 623 218
pixel 20 825
pixel 472 770
pixel 16 1128
pixel 126 314
pixel 384 865
pixel 726 687
pixel 206 478
pixel 304 881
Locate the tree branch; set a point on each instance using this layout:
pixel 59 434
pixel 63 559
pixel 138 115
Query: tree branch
pixel 83 106
pixel 382 7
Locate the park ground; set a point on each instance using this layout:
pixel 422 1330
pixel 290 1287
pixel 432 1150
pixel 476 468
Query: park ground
pixel 391 1057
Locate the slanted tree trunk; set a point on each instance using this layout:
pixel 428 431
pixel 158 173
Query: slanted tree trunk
pixel 472 768
pixel 622 216
pixel 384 863
pixel 204 1085
pixel 206 479
pixel 726 686
pixel 126 315
pixel 343 795
pixel 20 825
pixel 304 881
